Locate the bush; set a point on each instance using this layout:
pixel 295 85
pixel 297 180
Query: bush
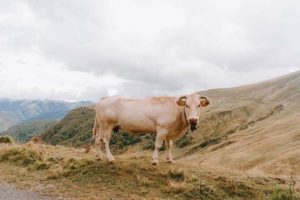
pixel 150 145
pixel 5 139
pixel 120 140
pixel 184 141
pixel 20 156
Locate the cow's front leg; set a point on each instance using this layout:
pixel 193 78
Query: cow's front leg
pixel 169 146
pixel 160 137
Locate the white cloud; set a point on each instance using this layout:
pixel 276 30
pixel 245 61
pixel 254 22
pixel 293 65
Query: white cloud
pixel 86 49
pixel 31 76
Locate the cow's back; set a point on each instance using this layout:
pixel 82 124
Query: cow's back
pixel 136 115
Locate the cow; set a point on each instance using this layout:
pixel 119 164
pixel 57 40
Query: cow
pixel 166 116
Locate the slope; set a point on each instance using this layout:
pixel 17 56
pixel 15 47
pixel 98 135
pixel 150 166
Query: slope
pixel 25 131
pixel 253 128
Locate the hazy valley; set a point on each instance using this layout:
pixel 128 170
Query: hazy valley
pixel 13 112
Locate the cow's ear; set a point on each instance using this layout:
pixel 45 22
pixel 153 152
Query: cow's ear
pixel 204 101
pixel 181 100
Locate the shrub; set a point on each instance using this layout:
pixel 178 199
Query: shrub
pixel 5 139
pixel 151 143
pixel 120 140
pixel 184 141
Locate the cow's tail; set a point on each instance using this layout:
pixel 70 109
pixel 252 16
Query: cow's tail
pixel 95 131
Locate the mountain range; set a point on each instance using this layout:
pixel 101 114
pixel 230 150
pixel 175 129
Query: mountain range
pixel 13 112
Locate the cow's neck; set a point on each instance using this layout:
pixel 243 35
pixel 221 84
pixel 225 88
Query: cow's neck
pixel 184 123
pixel 182 126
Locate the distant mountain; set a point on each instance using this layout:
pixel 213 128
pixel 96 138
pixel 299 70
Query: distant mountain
pixel 13 112
pixel 6 121
pixel 25 131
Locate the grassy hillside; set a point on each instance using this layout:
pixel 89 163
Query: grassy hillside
pixel 75 129
pixel 253 128
pixel 25 131
pixel 70 173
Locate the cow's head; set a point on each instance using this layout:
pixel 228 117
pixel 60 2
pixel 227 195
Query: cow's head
pixel 192 104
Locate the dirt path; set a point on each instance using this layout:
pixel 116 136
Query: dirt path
pixel 11 193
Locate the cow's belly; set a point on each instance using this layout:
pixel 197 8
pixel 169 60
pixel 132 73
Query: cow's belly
pixel 136 125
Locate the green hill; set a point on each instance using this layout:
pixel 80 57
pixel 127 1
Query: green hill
pixel 76 130
pixel 25 131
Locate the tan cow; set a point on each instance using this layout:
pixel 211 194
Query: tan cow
pixel 167 117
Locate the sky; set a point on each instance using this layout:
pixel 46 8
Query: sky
pixel 86 49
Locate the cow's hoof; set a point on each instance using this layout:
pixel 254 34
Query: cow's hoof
pixel 155 162
pixel 113 161
pixel 169 160
pixel 99 158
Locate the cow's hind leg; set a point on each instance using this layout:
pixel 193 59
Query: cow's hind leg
pixel 98 144
pixel 169 146
pixel 160 137
pixel 106 138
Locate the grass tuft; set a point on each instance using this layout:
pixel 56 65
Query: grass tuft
pixel 20 156
pixel 202 191
pixel 177 175
pixel 283 194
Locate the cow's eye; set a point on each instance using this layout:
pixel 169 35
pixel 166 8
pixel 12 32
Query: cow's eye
pixel 187 106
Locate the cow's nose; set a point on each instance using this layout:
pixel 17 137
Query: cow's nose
pixel 193 121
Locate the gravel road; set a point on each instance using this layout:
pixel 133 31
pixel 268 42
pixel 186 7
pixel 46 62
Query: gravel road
pixel 11 193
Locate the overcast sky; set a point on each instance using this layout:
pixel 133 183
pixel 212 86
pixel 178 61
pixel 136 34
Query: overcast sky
pixel 84 49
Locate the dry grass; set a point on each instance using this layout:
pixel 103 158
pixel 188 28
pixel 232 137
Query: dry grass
pixel 36 140
pixel 68 172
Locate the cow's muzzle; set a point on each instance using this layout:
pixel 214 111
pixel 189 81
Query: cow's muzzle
pixel 193 124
